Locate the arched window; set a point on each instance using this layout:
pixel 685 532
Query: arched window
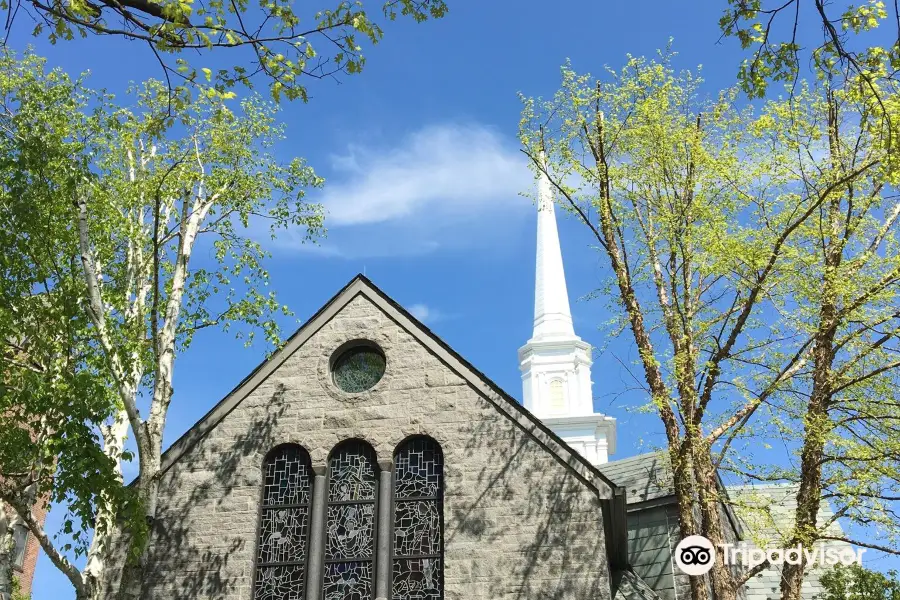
pixel 284 525
pixel 350 523
pixel 418 544
pixel 557 396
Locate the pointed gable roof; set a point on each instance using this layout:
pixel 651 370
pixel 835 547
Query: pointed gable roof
pixel 360 285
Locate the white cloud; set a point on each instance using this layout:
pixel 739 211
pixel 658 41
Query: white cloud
pixel 443 187
pixel 456 169
pixel 426 314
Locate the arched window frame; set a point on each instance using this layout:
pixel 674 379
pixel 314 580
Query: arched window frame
pixel 266 508
pixel 383 498
pixel 330 503
pixel 437 498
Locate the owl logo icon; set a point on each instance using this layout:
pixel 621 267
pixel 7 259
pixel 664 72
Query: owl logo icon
pixel 695 555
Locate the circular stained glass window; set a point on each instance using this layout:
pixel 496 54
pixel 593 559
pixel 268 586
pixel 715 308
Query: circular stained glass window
pixel 358 368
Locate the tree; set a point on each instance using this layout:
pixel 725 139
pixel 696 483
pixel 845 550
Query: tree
pixel 853 43
pixel 858 583
pixel 53 390
pixel 776 31
pixel 707 216
pixel 147 185
pixel 275 40
pixel 843 306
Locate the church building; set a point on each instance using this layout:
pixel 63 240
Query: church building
pixel 367 460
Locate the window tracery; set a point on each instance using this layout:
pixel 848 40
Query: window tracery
pixel 359 368
pixel 417 565
pixel 350 523
pixel 346 508
pixel 284 525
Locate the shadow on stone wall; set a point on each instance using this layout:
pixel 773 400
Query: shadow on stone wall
pixel 518 523
pixel 204 571
pixel 544 508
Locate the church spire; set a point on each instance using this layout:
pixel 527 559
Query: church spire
pixel 552 316
pixel 556 363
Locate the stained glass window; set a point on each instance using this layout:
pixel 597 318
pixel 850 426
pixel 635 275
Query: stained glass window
pixel 350 523
pixel 358 368
pixel 284 525
pixel 418 521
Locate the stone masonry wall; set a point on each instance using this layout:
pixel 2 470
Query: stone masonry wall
pixel 518 524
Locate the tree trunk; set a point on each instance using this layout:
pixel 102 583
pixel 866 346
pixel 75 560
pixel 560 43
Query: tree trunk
pixel 725 586
pixel 99 556
pixel 7 544
pixel 809 496
pixel 133 575
pixel 682 481
pixel 817 422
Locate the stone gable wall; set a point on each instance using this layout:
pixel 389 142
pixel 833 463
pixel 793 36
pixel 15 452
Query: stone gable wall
pixel 518 524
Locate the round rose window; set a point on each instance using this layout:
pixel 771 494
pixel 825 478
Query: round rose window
pixel 358 368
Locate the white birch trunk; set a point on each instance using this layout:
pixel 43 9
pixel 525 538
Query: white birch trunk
pixel 151 461
pixel 7 546
pixel 141 271
pixel 102 547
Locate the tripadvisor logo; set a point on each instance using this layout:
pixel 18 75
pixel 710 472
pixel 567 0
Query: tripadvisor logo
pixel 695 555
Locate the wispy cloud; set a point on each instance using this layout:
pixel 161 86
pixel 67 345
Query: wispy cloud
pixel 448 168
pixel 427 314
pixel 441 187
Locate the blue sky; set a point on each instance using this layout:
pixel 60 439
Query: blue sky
pixel 423 177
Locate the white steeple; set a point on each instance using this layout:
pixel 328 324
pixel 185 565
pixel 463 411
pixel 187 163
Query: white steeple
pixel 552 317
pixel 556 363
